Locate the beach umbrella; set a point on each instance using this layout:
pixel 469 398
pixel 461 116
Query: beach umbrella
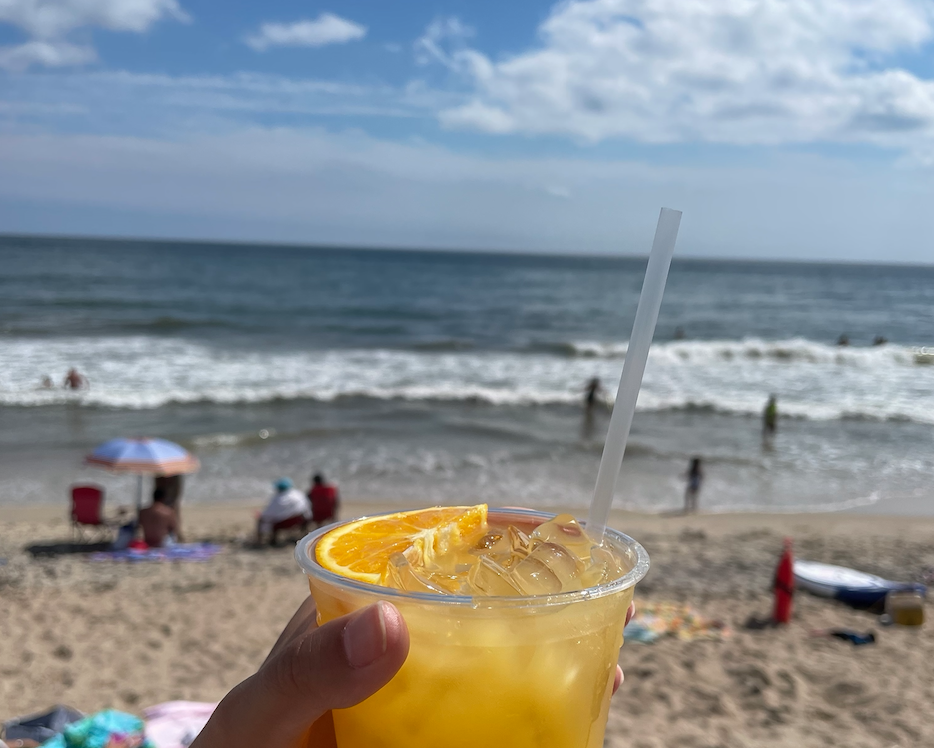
pixel 142 457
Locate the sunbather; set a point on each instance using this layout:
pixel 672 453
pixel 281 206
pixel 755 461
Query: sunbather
pixel 159 522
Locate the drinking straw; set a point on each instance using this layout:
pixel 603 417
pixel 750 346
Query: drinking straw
pixel 643 329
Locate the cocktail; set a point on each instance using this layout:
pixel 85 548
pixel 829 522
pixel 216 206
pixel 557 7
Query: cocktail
pixel 515 620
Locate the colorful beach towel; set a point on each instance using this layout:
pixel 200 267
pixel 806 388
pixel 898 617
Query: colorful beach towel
pixel 178 552
pixel 655 620
pixel 107 729
pixel 176 724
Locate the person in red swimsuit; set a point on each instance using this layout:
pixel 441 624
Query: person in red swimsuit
pixel 324 500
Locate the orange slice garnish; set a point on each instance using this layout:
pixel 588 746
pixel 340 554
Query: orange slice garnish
pixel 361 549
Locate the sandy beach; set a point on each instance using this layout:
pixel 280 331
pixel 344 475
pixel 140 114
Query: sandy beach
pixel 94 635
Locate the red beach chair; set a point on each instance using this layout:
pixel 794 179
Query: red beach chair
pixel 87 510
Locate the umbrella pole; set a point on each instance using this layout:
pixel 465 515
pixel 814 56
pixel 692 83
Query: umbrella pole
pixel 139 494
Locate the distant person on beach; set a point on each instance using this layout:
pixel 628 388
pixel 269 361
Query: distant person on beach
pixel 843 340
pixel 879 340
pixel 770 417
pixel 171 485
pixel 324 500
pixel 159 522
pixel 679 333
pixel 695 476
pixel 46 383
pixel 287 504
pixel 593 390
pixel 75 381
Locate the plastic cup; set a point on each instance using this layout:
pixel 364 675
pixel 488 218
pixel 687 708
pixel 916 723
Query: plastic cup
pixel 519 671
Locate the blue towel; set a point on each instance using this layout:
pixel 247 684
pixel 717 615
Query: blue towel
pixel 177 552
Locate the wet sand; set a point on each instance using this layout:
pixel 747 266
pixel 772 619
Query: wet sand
pixel 94 635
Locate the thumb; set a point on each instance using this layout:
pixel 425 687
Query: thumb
pixel 332 667
pixel 339 664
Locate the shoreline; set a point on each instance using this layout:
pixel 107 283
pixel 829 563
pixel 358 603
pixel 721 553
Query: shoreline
pixel 829 522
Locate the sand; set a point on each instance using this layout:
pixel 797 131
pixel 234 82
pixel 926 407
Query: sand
pixel 96 635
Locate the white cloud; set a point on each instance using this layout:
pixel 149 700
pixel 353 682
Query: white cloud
pixel 441 33
pixel 49 22
pixel 50 54
pixel 326 29
pixel 149 102
pixel 48 19
pixel 727 71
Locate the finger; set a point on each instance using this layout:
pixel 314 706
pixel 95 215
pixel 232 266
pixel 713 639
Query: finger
pixel 618 681
pixel 303 622
pixel 332 667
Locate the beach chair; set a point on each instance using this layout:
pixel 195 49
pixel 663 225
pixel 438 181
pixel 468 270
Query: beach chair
pixel 87 513
pixel 298 521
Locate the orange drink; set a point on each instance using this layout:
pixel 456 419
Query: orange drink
pixel 515 621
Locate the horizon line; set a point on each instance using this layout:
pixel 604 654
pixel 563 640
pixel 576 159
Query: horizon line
pixel 441 250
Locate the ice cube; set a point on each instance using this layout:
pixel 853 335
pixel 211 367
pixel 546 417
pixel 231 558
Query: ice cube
pixel 489 578
pixel 565 531
pixel 402 575
pixel 535 578
pixel 519 542
pixel 605 566
pixel 562 563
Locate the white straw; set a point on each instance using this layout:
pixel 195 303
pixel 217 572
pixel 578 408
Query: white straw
pixel 643 329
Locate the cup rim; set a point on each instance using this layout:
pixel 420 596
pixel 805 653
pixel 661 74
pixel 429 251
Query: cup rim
pixel 314 570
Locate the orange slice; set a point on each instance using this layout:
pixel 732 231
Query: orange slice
pixel 361 549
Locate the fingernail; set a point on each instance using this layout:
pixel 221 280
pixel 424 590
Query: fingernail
pixel 365 637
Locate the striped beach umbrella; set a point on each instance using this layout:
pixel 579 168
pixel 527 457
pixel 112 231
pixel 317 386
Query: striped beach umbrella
pixel 143 457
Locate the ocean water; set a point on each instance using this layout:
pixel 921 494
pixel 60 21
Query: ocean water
pixel 447 377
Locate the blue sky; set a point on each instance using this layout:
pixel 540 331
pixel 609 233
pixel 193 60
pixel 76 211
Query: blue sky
pixel 783 129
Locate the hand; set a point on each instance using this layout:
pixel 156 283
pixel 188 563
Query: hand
pixel 310 671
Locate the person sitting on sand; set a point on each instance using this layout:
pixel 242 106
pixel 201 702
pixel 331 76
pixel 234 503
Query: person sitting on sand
pixel 324 500
pixel 159 522
pixel 287 503
pixel 75 380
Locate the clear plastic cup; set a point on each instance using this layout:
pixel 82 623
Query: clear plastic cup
pixel 523 672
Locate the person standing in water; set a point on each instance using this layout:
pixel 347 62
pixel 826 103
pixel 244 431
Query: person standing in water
pixel 695 476
pixel 592 391
pixel 770 418
pixel 74 380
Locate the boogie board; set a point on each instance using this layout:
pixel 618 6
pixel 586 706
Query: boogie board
pixel 847 585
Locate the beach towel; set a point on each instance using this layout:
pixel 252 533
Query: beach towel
pixel 177 552
pixel 655 620
pixel 176 724
pixel 107 729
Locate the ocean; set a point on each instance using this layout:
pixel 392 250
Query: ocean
pixel 440 377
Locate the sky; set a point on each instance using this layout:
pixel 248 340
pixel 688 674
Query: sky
pixel 799 129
